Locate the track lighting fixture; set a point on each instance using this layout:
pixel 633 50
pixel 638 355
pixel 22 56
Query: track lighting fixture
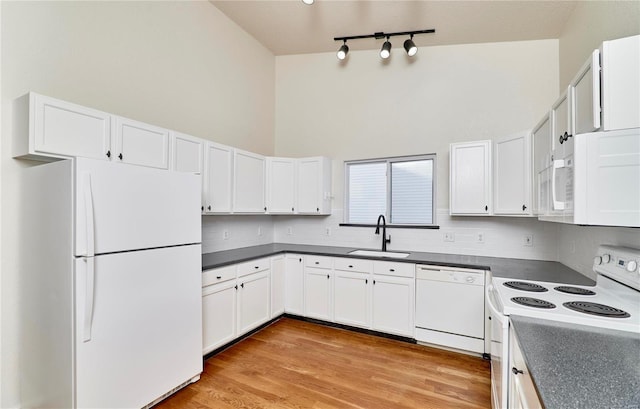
pixel 343 50
pixel 308 2
pixel 410 47
pixel 385 51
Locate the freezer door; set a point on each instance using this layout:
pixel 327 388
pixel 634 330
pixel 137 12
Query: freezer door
pixel 138 325
pixel 122 207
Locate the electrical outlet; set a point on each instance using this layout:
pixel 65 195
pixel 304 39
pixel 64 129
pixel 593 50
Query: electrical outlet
pixel 480 238
pixel 527 240
pixel 259 231
pixel 225 234
pixel 449 237
pixel 289 231
pixel 327 231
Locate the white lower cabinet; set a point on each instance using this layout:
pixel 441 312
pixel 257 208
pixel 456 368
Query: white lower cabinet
pixel 294 284
pixel 393 305
pixel 522 391
pixel 253 301
pixel 218 307
pixel 351 298
pixel 317 293
pixel 277 287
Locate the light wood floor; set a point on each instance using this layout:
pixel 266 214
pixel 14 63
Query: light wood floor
pixel 296 364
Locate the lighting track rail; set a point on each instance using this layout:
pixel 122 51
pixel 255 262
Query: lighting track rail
pixel 385 52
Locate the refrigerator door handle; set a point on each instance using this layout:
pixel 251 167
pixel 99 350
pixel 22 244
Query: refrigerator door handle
pixel 88 206
pixel 88 299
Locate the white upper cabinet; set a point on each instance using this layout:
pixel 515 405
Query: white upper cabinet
pixel 470 178
pixel 541 136
pixel 47 127
pixel 218 178
pixel 512 175
pixel 281 185
pixel 249 182
pixel 585 96
pixel 142 144
pixel 187 153
pixel 561 130
pixel 621 83
pixel 314 186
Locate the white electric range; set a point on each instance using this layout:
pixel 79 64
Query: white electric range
pixel 613 303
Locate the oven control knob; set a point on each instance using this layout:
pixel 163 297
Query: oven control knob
pixel 632 265
pixel 606 258
pixel 597 260
pixel 470 279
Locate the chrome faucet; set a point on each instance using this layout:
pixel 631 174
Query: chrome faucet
pixel 385 240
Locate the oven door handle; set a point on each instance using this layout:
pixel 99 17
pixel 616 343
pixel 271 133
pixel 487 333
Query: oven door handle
pixel 493 310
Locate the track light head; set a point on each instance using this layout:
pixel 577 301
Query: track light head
pixel 343 50
pixel 385 51
pixel 410 47
pixel 308 2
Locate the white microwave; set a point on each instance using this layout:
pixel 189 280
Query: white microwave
pixel 594 180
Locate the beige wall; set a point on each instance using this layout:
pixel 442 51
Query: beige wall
pixel 366 108
pixel 179 65
pixel 591 23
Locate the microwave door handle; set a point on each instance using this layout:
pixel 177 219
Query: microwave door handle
pixel 88 299
pixel 557 164
pixel 595 86
pixel 88 207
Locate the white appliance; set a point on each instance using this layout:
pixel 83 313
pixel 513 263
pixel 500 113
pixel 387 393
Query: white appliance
pixel 613 303
pixel 450 307
pixel 110 302
pixel 594 179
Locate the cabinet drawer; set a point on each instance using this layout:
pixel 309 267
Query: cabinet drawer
pixel 353 264
pixel 394 269
pixel 218 275
pixel 253 266
pixel 319 261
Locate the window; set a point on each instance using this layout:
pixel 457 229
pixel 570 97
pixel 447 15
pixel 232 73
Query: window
pixel 401 188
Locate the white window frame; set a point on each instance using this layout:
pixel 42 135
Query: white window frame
pixel 389 161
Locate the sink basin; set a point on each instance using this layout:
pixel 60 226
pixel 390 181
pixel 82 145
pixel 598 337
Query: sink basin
pixel 373 253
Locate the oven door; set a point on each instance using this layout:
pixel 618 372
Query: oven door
pixel 499 352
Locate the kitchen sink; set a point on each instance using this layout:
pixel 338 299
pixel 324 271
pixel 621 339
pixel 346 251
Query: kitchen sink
pixel 373 253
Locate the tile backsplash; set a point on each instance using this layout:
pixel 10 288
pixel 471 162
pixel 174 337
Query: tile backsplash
pixel 484 236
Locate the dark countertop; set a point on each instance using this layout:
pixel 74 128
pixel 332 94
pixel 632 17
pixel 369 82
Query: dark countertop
pixel 535 270
pixel 575 366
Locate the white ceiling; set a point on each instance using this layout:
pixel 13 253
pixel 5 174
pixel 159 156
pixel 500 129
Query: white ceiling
pixel 291 27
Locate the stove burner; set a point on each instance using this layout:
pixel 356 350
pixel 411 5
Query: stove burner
pixel 521 285
pixel 596 309
pixel 533 302
pixel 574 290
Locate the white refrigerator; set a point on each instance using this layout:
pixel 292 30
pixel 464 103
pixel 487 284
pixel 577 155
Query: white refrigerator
pixel 110 297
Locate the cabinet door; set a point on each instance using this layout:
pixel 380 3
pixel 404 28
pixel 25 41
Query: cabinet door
pixel 281 185
pixel 142 144
pixel 218 178
pixel 620 83
pixel 522 391
pixel 294 285
pixel 512 175
pixel 314 186
pixel 393 305
pixel 351 298
pixel 187 153
pixel 585 96
pixel 470 173
pixel 218 315
pixel 248 186
pixel 66 129
pixel 560 125
pixel 317 293
pixel 278 268
pixel 253 301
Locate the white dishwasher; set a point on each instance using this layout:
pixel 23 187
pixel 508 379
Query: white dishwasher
pixel 450 307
